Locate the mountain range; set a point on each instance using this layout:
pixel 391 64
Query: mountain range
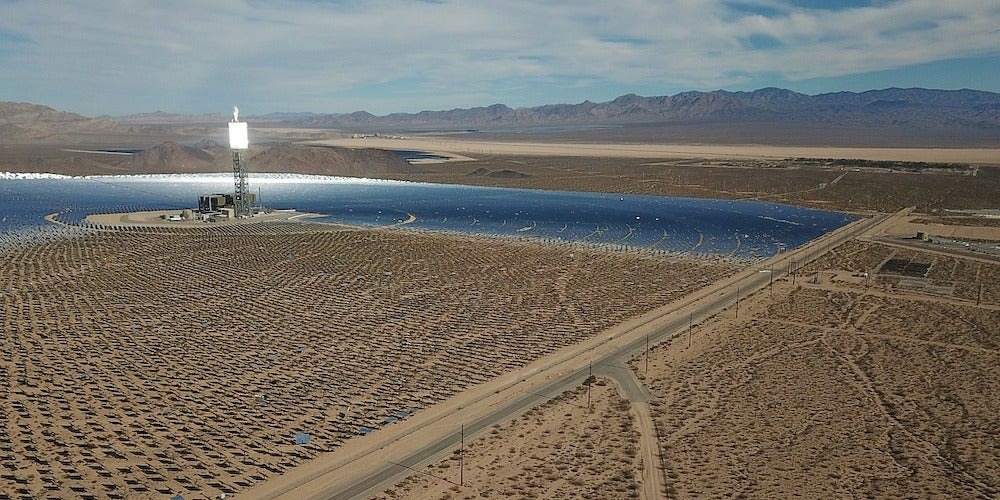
pixel 888 117
pixel 920 108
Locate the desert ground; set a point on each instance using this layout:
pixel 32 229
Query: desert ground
pixel 812 183
pixel 838 386
pixel 832 386
pixel 846 179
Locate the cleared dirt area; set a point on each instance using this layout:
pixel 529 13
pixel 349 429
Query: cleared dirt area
pixel 837 387
pixel 960 221
pixel 966 228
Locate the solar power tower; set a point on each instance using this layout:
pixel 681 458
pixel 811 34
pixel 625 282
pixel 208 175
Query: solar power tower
pixel 238 143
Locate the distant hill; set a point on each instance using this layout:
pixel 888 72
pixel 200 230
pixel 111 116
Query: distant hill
pixel 171 157
pixel 328 160
pixel 505 173
pixel 919 108
pixel 21 121
pixel 162 118
pixel 207 156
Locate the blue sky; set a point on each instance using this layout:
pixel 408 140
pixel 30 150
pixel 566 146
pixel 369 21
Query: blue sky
pixel 336 56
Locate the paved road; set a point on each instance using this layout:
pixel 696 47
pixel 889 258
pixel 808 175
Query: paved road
pixel 334 483
pixel 389 473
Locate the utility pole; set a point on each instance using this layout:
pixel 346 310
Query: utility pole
pixel 590 383
pixel 737 302
pixel 647 352
pixel 690 318
pixel 461 460
pixel 770 282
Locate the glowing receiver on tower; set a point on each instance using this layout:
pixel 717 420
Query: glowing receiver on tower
pixel 238 132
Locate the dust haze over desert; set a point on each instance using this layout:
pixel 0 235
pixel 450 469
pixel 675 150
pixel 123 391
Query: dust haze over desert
pixel 339 329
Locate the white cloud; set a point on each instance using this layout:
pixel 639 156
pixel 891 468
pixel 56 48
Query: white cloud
pixel 298 54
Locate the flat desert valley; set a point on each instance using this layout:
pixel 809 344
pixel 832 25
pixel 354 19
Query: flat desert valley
pixel 303 360
pixel 474 145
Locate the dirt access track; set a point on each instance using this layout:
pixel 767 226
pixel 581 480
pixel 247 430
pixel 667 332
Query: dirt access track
pixel 452 146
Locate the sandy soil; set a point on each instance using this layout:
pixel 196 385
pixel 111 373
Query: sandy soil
pixel 835 388
pixel 993 221
pixel 126 373
pixel 561 449
pixel 748 151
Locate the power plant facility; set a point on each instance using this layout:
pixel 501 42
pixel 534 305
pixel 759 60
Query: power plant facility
pixel 241 203
pixel 219 205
